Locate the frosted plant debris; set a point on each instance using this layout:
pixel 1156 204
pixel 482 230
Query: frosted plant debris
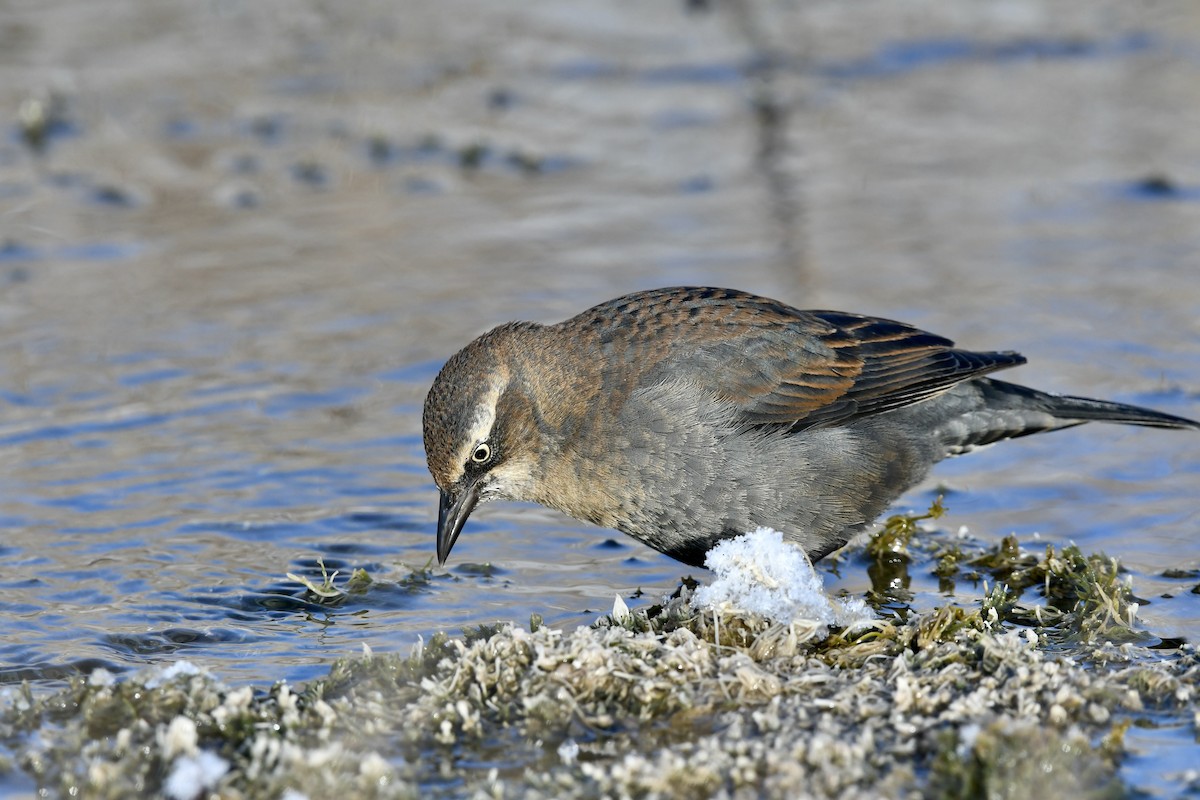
pixel 666 702
pixel 760 573
pixel 193 775
pixel 620 610
pixel 170 672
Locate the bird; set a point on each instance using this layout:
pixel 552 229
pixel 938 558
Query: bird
pixel 685 416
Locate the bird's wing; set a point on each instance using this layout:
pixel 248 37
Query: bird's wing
pixel 832 367
pixel 798 369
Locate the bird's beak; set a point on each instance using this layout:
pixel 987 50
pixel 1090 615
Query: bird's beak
pixel 452 515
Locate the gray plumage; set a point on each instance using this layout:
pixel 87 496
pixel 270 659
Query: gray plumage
pixel 683 416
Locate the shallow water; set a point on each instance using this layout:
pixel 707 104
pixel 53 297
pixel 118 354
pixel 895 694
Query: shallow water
pixel 256 230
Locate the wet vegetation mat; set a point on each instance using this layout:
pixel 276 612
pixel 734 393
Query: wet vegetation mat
pixel 1032 685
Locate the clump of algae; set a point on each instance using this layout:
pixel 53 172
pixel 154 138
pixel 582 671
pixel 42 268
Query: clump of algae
pixel 328 593
pixel 897 531
pixel 1043 673
pixel 1020 760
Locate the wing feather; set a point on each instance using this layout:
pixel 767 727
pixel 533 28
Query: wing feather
pixel 779 365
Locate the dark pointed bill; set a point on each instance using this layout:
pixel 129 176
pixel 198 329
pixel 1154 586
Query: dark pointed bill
pixel 452 515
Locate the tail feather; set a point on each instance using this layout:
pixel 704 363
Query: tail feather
pixel 997 410
pixel 1075 410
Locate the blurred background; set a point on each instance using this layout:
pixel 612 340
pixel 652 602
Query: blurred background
pixel 239 237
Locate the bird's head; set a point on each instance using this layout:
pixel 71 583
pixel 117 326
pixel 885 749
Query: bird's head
pixel 482 439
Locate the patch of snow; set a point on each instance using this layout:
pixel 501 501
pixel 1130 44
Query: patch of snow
pixel 760 573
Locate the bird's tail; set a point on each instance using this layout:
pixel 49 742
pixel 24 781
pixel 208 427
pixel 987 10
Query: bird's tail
pixel 1006 411
pixel 1077 410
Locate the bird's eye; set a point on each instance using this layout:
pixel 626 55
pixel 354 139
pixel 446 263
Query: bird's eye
pixel 483 451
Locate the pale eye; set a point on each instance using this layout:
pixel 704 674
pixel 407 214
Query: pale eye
pixel 483 451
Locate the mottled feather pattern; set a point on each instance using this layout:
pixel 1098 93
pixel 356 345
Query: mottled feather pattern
pixel 782 366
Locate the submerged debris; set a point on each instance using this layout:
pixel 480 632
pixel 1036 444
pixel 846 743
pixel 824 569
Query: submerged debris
pixel 897 531
pixel 661 701
pixel 328 592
